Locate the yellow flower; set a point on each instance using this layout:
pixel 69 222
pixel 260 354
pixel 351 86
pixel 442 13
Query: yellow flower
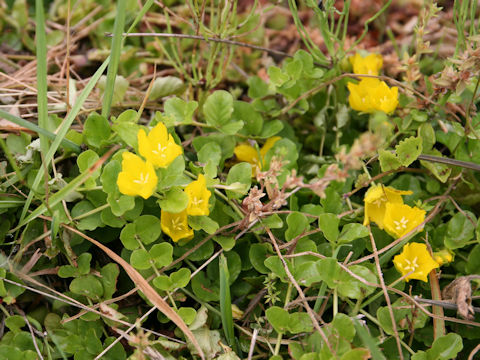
pixel 415 257
pixel 400 219
pixel 384 98
pixel 371 95
pixel 359 97
pixel 137 176
pixel 247 153
pixel 375 200
pixel 198 196
pixel 443 257
pixel 369 65
pixel 176 225
pixel 158 147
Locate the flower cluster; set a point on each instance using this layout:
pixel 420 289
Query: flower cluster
pixel 176 225
pixel 371 94
pixel 138 177
pixel 247 153
pixel 384 206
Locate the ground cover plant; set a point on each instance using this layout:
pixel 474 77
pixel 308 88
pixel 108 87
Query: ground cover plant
pixel 239 179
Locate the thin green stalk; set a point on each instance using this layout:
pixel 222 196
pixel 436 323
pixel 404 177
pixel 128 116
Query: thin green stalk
pixel 365 25
pixel 41 131
pixel 226 303
pixel 117 42
pixel 280 335
pixel 62 131
pixel 91 212
pixel 323 286
pixel 41 47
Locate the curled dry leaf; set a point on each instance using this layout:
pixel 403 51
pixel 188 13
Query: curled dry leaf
pixel 459 291
pixel 147 289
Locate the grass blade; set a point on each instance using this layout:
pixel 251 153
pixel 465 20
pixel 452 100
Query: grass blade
pixel 368 341
pixel 41 131
pixel 64 127
pixel 147 289
pixel 117 43
pixel 41 44
pixel 226 303
pixel 62 193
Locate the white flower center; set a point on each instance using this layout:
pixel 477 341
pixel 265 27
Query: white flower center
pixel 379 201
pixel 143 179
pixel 402 224
pixel 160 150
pixel 176 224
pixel 411 265
pixel 196 201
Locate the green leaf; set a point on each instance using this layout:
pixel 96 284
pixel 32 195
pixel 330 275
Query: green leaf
pixel 172 175
pixel 175 201
pixel 460 230
pixel 218 108
pixel 274 263
pixel 182 111
pixel 210 152
pixel 253 121
pixel 408 150
pixel 300 322
pixel 140 259
pixel 344 327
pixel 257 88
pixel 96 130
pixel 162 254
pixel 277 76
pixel 352 232
pixel 15 323
pixel 329 271
pixel 427 134
pixel 294 68
pixel 271 128
pixel 187 314
pixel 446 347
pixel 388 160
pixel 307 273
pixel 126 127
pixel 83 263
pixel 258 254
pixel 232 127
pixel 180 278
pixel 128 237
pixel 328 223
pixel 297 224
pixel 162 282
pixel 203 223
pixel 90 222
pixel 204 288
pixel 165 86
pixel 352 288
pixel 109 277
pixel 240 174
pixel 226 242
pixel 87 285
pixel 84 161
pixel 147 228
pixel 120 88
pixel 279 318
pixel 440 171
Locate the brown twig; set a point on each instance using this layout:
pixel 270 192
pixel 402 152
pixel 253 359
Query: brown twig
pixel 385 293
pixel 300 293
